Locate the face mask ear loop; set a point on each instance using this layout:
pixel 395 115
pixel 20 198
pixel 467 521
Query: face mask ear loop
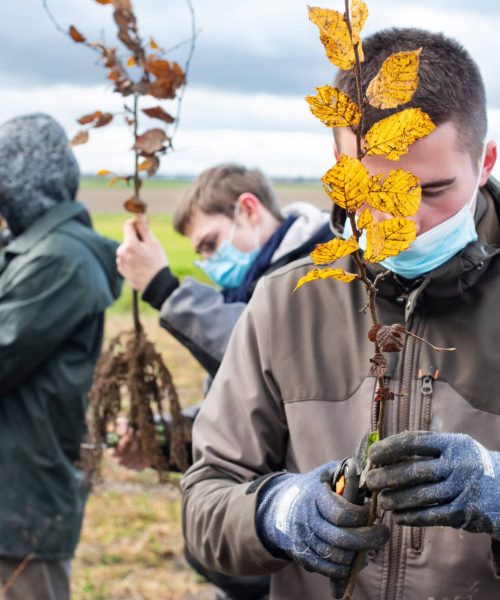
pixel 473 200
pixel 237 209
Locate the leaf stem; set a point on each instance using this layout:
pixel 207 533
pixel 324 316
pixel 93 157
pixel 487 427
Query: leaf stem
pixel 436 348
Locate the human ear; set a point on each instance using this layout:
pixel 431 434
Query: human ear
pixel 250 207
pixel 490 158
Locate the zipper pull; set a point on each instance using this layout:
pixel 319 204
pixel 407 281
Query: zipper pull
pixel 427 391
pixel 427 380
pixel 427 387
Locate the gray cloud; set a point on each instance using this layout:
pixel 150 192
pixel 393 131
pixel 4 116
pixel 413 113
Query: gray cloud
pixel 253 46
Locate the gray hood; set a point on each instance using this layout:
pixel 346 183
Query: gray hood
pixel 309 220
pixel 37 169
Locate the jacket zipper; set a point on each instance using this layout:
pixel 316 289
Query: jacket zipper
pixel 427 389
pixel 396 541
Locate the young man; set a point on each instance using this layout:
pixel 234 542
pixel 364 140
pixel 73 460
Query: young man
pixel 234 222
pixel 297 378
pixel 236 225
pixel 56 278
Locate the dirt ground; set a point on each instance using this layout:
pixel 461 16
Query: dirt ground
pixel 131 545
pixel 163 200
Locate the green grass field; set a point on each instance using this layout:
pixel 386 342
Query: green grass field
pixel 89 182
pixel 178 248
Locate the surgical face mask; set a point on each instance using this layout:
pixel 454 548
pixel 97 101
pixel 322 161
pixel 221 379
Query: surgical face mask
pixel 228 265
pixel 436 246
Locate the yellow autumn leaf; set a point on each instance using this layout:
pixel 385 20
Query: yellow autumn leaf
pixel 131 62
pixel 347 183
pixel 359 14
pixel 334 36
pixel 389 238
pixel 365 219
pixel 397 80
pixel 374 242
pixel 152 44
pixel 393 135
pixel 333 108
pixel 315 274
pixel 103 172
pixel 398 194
pixel 333 250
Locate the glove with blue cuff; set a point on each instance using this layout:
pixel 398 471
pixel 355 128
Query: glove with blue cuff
pixel 430 478
pixel 300 517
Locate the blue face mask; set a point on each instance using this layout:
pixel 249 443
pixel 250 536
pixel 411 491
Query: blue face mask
pixel 228 266
pixel 436 246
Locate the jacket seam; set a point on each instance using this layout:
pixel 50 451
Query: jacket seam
pixel 328 398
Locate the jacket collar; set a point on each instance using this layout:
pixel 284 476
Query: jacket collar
pixel 450 281
pixel 54 217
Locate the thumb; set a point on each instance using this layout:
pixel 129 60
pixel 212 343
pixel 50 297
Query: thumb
pixel 142 228
pixel 129 232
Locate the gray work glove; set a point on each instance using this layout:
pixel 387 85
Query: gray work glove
pixel 430 478
pixel 299 516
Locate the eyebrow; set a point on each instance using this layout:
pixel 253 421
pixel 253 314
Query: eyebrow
pixel 438 183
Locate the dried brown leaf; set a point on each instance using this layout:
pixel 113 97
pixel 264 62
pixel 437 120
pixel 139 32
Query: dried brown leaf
pixel 85 119
pixel 150 164
pixel 150 142
pixel 157 112
pixel 379 365
pixel 158 67
pixel 391 338
pixel 75 35
pixel 170 80
pixel 80 138
pixel 109 57
pixel 135 205
pixel 383 393
pixel 103 120
pixel 372 334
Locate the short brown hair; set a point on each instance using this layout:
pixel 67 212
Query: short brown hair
pixel 217 189
pixel 450 85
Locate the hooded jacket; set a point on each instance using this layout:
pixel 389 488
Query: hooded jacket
pixel 198 315
pixel 294 392
pixel 57 276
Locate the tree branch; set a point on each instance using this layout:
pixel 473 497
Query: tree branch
pixel 52 18
pixel 194 35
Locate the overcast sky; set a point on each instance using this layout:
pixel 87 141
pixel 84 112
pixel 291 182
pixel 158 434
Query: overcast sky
pixel 254 62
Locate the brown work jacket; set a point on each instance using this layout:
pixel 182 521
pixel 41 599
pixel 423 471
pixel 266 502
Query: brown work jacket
pixel 295 391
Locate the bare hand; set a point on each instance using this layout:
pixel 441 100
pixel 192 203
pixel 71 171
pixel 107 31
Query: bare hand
pixel 129 454
pixel 140 256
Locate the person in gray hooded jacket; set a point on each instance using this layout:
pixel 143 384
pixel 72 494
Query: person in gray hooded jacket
pixel 231 215
pixel 57 276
